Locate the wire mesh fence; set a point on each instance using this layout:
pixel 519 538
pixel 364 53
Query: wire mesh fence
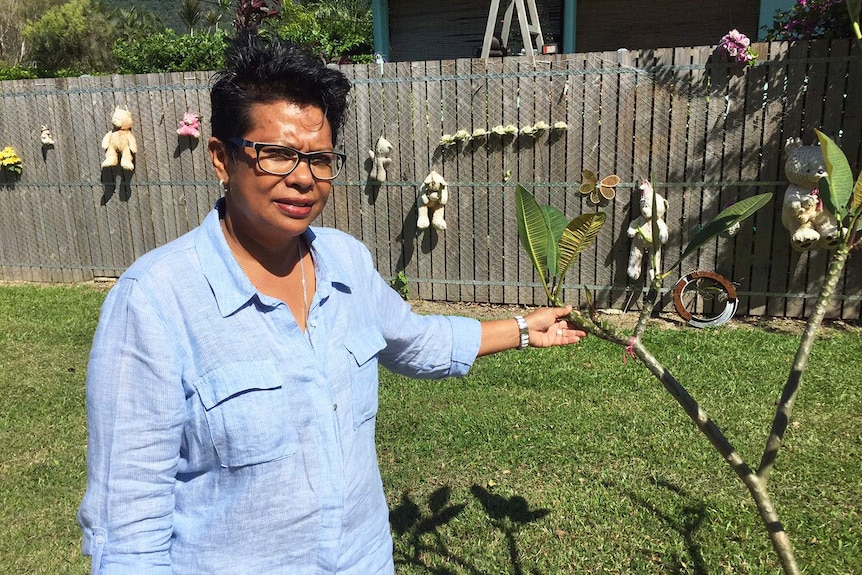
pixel 705 133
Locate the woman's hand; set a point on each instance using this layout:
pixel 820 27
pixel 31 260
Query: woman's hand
pixel 548 327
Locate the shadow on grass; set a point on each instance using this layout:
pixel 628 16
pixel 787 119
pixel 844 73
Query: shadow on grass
pixel 686 521
pixel 507 515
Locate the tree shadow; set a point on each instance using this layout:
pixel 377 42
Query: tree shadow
pixel 508 515
pixel 721 104
pixel 422 527
pixel 686 521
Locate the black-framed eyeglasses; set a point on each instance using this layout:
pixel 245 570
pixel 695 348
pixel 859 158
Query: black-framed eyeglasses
pixel 281 160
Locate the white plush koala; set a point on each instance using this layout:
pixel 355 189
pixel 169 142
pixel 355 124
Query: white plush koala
pixel 803 214
pixel 640 231
pixel 433 197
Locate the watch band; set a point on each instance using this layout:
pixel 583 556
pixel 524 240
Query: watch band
pixel 524 332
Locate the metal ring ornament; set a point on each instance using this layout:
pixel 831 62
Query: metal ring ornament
pixel 730 307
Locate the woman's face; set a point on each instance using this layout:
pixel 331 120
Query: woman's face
pixel 264 209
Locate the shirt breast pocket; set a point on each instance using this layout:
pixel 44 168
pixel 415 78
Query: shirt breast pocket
pixel 363 348
pixel 246 410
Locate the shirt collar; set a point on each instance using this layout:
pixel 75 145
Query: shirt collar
pixel 229 284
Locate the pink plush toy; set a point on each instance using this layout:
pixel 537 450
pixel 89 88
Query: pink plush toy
pixel 190 126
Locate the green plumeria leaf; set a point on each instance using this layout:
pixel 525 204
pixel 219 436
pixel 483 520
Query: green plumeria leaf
pixel 578 235
pixel 840 178
pixel 533 232
pixel 556 222
pixel 726 220
pixel 856 202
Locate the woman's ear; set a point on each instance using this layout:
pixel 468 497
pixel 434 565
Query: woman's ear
pixel 220 159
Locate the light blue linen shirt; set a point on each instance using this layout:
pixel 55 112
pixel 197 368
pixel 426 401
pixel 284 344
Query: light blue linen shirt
pixel 223 439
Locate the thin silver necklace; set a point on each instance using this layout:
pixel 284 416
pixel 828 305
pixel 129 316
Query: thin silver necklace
pixel 304 288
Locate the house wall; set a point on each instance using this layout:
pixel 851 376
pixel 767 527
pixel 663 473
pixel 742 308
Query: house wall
pixel 636 24
pixel 450 29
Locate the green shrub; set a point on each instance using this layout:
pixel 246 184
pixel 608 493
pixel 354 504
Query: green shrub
pixel 331 30
pixel 17 72
pixel 71 36
pixel 811 19
pixel 170 52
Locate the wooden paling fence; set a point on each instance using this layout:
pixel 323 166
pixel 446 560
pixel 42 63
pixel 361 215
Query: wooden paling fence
pixel 705 132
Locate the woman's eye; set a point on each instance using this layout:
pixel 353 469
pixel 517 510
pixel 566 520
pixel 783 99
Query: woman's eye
pixel 321 160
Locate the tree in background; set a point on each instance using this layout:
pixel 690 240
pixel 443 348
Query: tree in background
pixel 215 16
pixel 812 19
pixel 337 30
pixel 130 23
pixel 72 38
pixel 191 13
pixel 11 22
pixel 99 37
pixel 14 15
pixel 250 14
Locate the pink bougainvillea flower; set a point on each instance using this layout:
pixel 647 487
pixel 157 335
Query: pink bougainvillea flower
pixel 737 45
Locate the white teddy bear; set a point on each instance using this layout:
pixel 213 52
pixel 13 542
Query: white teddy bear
pixel 380 159
pixel 803 214
pixel 640 231
pixel 434 195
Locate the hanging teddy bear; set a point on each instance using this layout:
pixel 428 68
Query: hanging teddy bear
pixel 190 126
pixel 434 195
pixel 380 159
pixel 640 231
pixel 120 144
pixel 809 223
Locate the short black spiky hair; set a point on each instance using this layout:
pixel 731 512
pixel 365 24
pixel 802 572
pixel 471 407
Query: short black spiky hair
pixel 264 70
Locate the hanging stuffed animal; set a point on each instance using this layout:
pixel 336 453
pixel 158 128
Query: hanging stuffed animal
pixel 640 231
pixel 120 144
pixel 190 126
pixel 380 159
pixel 46 137
pixel 434 195
pixel 809 223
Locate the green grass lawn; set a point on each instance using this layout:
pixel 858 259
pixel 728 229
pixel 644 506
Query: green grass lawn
pixel 540 462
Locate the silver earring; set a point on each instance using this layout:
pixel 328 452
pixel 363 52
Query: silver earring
pixel 224 186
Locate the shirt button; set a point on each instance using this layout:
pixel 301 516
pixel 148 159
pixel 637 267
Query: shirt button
pixel 312 322
pixel 99 540
pixel 334 407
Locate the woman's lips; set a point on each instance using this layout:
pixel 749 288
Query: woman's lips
pixel 294 209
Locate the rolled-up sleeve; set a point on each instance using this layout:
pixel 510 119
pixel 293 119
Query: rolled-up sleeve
pixel 135 411
pixel 466 338
pixel 422 346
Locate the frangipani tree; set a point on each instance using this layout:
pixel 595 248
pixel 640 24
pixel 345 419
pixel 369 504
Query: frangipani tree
pixel 553 244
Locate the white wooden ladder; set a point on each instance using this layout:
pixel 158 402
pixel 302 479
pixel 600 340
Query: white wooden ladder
pixel 529 27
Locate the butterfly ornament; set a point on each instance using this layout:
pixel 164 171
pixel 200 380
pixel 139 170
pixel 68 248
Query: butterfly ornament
pixel 598 190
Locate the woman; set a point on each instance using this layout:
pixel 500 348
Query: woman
pixel 232 384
